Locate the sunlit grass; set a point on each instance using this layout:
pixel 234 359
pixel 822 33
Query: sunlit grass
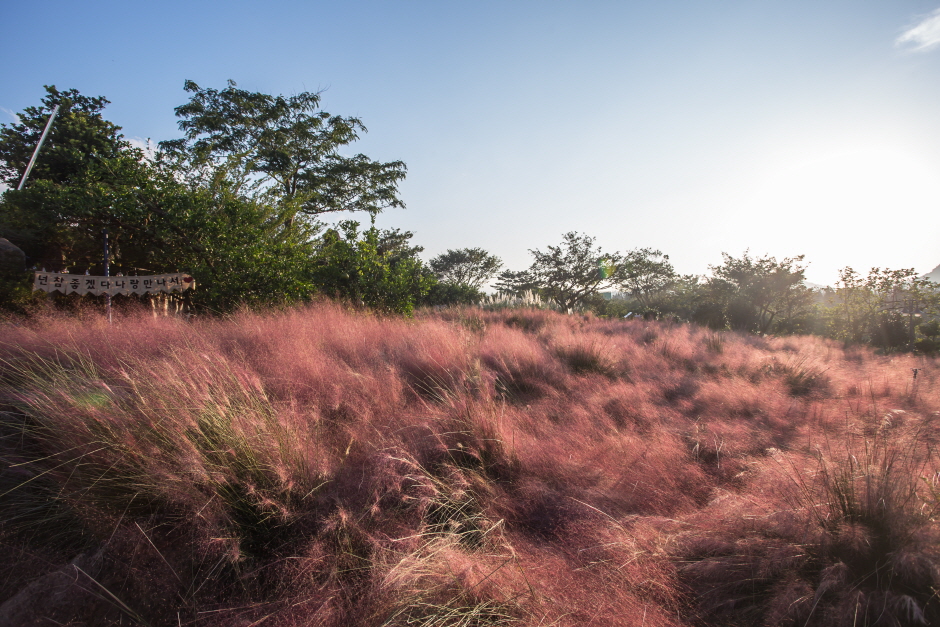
pixel 467 467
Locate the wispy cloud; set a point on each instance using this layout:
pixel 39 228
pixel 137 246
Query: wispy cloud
pixel 925 35
pixel 10 113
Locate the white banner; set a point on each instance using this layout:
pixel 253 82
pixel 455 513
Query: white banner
pixel 113 285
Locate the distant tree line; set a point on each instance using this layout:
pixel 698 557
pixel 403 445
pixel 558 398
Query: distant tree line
pixel 889 309
pixel 240 202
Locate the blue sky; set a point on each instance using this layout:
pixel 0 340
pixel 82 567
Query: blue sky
pixel 784 128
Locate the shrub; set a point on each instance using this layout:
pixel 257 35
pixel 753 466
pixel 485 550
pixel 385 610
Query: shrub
pixel 588 358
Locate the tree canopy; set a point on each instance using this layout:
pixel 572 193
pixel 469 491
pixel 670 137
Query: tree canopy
pixel 465 267
pixel 373 268
pixel 88 177
pixel 643 273
pixel 282 150
pixel 757 293
pixel 569 274
pixel 80 136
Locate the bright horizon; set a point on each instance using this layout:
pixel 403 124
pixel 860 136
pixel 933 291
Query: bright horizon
pixel 785 130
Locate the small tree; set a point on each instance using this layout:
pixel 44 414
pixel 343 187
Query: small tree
pixel 873 308
pixel 931 331
pixel 685 300
pixel 516 283
pixel 569 274
pixel 756 294
pixel 465 267
pixel 365 269
pixel 644 274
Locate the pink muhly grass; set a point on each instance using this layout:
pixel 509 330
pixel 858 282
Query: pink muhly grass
pixel 523 369
pixel 512 467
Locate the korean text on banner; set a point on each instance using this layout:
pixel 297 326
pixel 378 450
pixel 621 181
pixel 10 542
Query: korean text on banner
pixel 113 285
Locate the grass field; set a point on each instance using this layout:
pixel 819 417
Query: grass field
pixel 463 468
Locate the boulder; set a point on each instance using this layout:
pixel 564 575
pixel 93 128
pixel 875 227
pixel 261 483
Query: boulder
pixel 12 259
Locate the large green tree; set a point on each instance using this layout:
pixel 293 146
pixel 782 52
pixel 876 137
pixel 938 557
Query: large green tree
pixel 282 156
pixel 86 179
pixel 283 151
pixel 460 276
pixel 79 136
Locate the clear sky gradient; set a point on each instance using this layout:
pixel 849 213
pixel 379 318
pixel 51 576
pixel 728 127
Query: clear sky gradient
pixel 790 128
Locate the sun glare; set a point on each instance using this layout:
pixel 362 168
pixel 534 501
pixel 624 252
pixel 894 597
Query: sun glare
pixel 861 206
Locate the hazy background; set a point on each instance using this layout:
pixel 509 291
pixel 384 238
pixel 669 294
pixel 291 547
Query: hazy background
pixel 787 128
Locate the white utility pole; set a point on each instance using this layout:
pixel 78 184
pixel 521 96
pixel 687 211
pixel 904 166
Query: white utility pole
pixel 32 161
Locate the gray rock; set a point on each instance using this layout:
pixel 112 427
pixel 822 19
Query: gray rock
pixel 56 595
pixel 12 259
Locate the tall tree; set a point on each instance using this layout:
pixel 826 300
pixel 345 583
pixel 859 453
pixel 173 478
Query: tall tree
pixel 84 181
pixel 283 151
pixel 79 136
pixel 517 283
